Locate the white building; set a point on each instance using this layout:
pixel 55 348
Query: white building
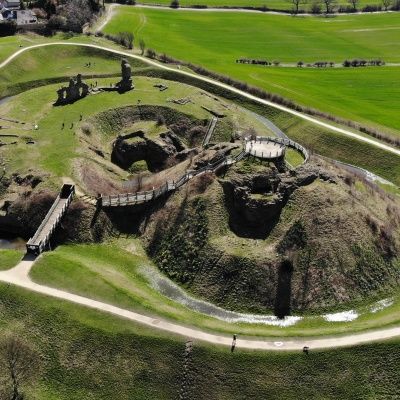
pixel 10 4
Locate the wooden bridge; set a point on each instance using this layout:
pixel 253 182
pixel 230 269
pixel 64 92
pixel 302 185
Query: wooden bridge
pixel 41 240
pixel 128 199
pixel 210 130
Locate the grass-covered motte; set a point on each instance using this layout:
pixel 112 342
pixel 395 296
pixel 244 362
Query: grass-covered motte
pixel 312 244
pixel 9 258
pixel 86 354
pixel 58 126
pixel 322 141
pixel 315 138
pixel 344 92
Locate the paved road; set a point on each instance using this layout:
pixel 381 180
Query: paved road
pixel 19 276
pixel 215 83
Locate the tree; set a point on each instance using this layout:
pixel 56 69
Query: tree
pixel 386 4
pixel 396 5
pixel 18 367
pixel 315 8
pixel 8 28
pixel 76 12
pixel 329 4
pixel 296 5
pixel 354 4
pixel 142 46
pixel 125 39
pixel 56 22
pixel 151 53
pixel 129 38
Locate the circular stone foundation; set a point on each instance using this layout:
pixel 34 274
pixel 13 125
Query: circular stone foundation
pixel 265 149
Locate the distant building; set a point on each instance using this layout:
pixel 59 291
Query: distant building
pixel 10 4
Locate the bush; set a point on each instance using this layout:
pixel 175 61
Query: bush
pixel 8 28
pixel 346 9
pixel 40 13
pixel 160 120
pixel 315 8
pixel 196 135
pixel 125 39
pixel 151 53
pixel 396 5
pixel 174 4
pixel 371 8
pixel 56 22
pixel 87 129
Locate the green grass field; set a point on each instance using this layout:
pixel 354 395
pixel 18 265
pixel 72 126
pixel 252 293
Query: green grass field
pixel 271 4
pixel 31 70
pixel 191 36
pixel 35 106
pixel 113 273
pixel 9 258
pixel 85 354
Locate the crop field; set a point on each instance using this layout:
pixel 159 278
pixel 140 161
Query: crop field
pixel 191 36
pixel 270 4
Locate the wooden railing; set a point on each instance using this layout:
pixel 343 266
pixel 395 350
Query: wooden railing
pixel 127 199
pixel 41 239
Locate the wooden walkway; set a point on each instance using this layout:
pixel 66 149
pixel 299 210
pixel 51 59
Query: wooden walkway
pixel 128 199
pixel 40 241
pixel 210 131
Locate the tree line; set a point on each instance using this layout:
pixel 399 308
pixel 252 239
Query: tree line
pixel 317 64
pixel 330 6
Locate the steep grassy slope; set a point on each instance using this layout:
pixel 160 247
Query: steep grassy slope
pixel 90 355
pixel 331 245
pixel 118 272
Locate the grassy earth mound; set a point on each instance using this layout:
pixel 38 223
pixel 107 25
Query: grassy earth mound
pixel 327 244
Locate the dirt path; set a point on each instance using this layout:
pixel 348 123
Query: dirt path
pixel 19 276
pixel 219 84
pixel 105 19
